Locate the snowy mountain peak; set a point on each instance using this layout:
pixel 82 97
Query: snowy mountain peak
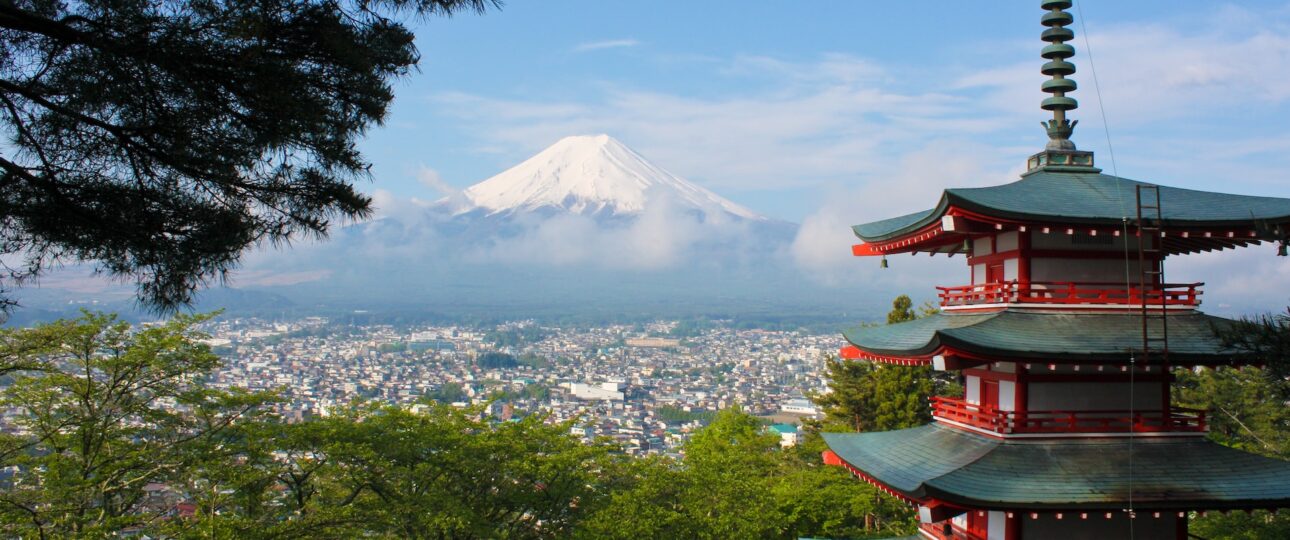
pixel 593 175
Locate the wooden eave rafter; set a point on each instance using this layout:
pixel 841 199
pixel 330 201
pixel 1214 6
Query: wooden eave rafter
pixel 957 358
pixel 831 458
pixel 851 352
pixel 958 224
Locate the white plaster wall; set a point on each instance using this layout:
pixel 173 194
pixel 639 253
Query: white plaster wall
pixel 973 390
pixel 996 526
pixel 1092 396
pixel 978 273
pixel 981 246
pixel 1083 270
pixel 1007 396
pixel 1009 269
pixel 1006 241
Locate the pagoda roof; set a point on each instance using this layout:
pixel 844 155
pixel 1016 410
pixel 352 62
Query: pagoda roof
pixel 1078 198
pixel 1045 336
pixel 951 465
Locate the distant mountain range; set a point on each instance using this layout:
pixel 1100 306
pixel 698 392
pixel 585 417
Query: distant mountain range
pixel 587 225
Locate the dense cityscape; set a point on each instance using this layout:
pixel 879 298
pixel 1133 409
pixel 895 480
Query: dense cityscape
pixel 646 387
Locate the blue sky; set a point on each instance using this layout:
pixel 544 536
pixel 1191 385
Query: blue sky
pixel 832 114
pixel 790 108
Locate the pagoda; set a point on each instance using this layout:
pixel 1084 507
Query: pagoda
pixel 1065 339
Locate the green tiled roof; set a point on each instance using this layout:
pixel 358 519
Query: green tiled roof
pixel 1045 335
pixel 963 468
pixel 1068 197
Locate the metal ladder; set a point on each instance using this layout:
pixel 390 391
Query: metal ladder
pixel 1151 276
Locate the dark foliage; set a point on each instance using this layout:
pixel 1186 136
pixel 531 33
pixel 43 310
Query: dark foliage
pixel 1267 337
pixel 161 138
pixel 496 360
pixel 516 337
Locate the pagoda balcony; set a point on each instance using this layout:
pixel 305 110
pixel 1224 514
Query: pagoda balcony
pixel 1057 423
pixel 1070 294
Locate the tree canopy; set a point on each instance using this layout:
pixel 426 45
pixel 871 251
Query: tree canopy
pixel 868 396
pixel 1247 410
pixel 110 432
pixel 734 482
pixel 162 138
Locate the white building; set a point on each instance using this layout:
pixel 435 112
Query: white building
pixel 606 391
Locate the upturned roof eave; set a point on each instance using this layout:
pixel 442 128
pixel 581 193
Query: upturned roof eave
pixel 942 344
pixel 944 340
pixel 964 198
pixel 966 469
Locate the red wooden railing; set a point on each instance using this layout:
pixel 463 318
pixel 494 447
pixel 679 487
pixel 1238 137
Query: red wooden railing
pixel 1176 419
pixel 1065 292
pixel 937 530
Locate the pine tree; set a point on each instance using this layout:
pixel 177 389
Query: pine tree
pixel 1247 410
pixel 162 138
pixel 867 396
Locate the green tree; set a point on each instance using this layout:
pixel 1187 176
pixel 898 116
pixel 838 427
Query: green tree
pixel 828 502
pixel 722 488
pixel 869 396
pixel 447 473
pixel 735 482
pixel 494 359
pixel 852 395
pixel 449 393
pixel 902 397
pixel 1246 410
pixel 105 410
pixel 1267 338
pixel 647 501
pixel 163 138
pixel 866 396
pixel 729 468
pixel 902 310
pixel 380 471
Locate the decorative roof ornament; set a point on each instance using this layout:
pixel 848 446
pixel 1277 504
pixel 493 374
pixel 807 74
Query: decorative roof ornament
pixel 1060 153
pixel 1059 128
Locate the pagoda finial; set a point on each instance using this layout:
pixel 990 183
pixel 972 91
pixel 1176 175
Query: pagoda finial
pixel 1057 51
pixel 1060 154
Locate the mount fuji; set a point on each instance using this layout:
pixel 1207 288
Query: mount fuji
pixel 587 226
pixel 597 176
pixel 586 223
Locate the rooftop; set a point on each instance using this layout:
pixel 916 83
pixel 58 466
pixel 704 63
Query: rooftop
pixel 1067 337
pixel 936 462
pixel 1086 198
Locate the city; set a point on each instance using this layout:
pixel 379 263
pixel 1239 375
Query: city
pixel 646 387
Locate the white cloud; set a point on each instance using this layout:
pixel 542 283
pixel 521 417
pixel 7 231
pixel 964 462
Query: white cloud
pixel 1245 281
pixel 1148 73
pixel 663 237
pixel 452 197
pixel 839 125
pixel 913 183
pixel 875 145
pixel 606 44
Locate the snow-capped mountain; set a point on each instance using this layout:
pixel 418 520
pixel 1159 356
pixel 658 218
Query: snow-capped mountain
pixel 593 175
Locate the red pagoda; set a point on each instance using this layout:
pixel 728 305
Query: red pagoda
pixel 1066 337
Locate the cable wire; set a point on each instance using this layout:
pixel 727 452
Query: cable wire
pixel 1124 224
